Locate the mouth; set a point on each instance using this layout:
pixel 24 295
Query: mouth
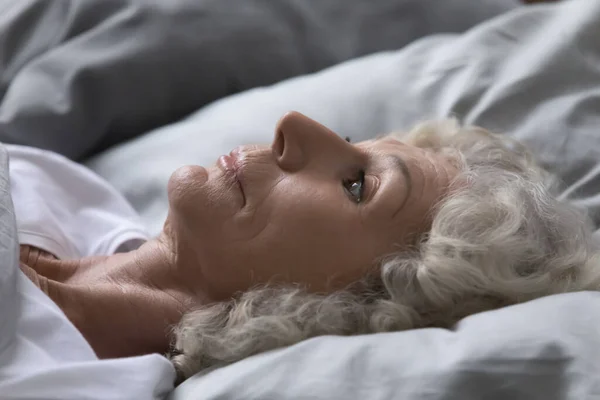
pixel 229 164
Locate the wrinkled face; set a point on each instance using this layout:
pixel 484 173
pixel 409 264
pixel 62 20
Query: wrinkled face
pixel 311 209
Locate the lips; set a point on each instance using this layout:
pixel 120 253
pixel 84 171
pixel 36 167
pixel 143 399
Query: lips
pixel 229 164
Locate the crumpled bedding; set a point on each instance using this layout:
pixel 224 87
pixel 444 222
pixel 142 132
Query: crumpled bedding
pixel 546 349
pixel 78 76
pixel 9 259
pixel 533 73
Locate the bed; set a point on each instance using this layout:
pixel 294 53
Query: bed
pixel 532 72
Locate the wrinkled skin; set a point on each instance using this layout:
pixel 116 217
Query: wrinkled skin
pixel 297 211
pixel 311 209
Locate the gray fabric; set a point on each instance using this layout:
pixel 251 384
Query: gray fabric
pixel 546 349
pixel 533 73
pixel 78 76
pixel 9 258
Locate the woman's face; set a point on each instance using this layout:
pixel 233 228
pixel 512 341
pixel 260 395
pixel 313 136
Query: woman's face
pixel 311 209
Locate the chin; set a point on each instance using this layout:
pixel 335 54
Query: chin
pixel 185 177
pixel 185 188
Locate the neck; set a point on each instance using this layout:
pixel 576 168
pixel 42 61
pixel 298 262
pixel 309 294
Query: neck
pixel 124 304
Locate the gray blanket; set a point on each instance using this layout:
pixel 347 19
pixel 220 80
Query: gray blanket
pixel 77 76
pixel 9 260
pixel 533 73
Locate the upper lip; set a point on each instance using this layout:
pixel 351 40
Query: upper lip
pixel 233 166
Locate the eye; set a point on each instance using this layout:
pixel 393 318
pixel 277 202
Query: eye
pixel 356 187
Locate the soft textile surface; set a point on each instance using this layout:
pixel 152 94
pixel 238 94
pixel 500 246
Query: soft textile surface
pixel 79 75
pixel 533 73
pixel 9 260
pixel 546 349
pixel 42 356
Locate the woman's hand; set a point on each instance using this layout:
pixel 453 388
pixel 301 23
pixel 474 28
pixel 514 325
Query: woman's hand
pixel 32 262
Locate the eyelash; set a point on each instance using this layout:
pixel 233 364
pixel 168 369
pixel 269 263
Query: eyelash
pixel 349 182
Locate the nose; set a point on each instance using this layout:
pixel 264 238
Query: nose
pixel 300 140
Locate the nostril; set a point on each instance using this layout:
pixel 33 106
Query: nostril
pixel 278 144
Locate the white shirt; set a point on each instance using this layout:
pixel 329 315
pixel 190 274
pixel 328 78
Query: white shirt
pixel 67 210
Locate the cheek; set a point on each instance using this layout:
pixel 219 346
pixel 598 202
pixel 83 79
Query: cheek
pixel 298 234
pixel 201 200
pixel 310 238
pixel 322 259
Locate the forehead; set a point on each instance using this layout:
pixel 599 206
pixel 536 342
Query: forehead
pixel 384 145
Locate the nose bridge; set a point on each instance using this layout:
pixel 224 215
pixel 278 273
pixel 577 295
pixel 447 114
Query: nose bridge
pixel 305 140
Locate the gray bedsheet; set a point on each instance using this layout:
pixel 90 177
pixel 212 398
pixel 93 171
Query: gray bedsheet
pixel 533 73
pixel 77 76
pixel 547 349
pixel 9 259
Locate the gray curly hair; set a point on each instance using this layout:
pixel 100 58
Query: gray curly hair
pixel 501 238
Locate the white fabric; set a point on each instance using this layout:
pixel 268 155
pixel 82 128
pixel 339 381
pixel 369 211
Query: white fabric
pixel 66 209
pixel 533 73
pixel 70 212
pixel 547 349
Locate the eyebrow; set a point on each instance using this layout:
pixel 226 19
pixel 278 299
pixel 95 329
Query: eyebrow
pixel 403 168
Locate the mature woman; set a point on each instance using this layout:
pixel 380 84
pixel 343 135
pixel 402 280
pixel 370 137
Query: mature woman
pixel 314 235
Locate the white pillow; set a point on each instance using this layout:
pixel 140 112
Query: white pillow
pixel 534 74
pixel 544 349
